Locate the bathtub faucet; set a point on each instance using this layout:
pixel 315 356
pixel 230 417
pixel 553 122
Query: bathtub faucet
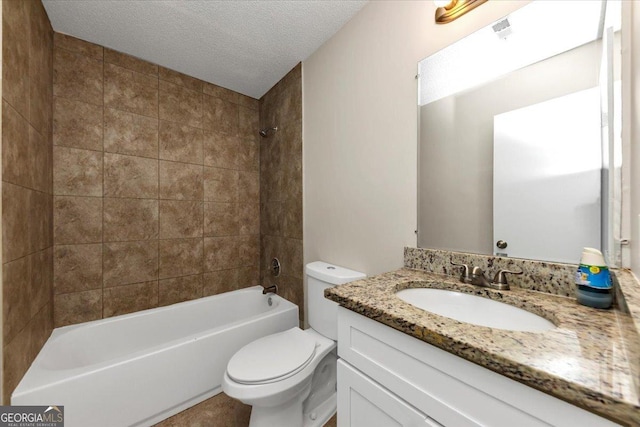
pixel 270 289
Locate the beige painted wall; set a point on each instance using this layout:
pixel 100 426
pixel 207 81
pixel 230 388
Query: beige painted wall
pixel 359 131
pixel 632 48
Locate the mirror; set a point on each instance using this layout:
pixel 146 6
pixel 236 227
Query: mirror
pixel 520 136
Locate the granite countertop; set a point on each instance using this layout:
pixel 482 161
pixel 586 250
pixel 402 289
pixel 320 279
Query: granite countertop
pixel 591 359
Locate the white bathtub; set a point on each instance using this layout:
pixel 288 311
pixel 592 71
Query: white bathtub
pixel 140 368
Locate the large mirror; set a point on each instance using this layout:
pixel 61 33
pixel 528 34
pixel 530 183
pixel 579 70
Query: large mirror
pixel 520 136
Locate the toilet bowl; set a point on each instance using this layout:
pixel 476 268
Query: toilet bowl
pixel 279 375
pixel 289 378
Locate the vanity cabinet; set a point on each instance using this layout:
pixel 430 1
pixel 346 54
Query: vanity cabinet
pixel 386 378
pixel 366 403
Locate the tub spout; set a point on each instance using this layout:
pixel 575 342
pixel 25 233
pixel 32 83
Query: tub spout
pixel 273 289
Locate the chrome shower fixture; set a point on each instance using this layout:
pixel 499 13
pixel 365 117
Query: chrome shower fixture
pixel 266 131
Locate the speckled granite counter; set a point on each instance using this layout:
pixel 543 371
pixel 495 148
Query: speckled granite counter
pixel 592 358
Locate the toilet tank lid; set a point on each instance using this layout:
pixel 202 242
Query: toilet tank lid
pixel 332 274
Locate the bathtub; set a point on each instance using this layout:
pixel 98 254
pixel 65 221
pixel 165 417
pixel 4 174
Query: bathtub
pixel 140 368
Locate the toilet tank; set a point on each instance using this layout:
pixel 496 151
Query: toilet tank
pixel 322 313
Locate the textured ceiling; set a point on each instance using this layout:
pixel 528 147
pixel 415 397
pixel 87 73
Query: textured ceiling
pixel 246 46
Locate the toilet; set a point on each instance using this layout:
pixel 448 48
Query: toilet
pixel 289 378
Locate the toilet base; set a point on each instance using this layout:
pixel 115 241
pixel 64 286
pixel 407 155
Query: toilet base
pixel 292 415
pixel 322 413
pixel 288 414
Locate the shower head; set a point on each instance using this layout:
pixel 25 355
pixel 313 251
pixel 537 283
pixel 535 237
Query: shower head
pixel 265 132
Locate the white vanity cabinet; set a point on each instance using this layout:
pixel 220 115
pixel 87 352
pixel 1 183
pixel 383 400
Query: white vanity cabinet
pixel 387 378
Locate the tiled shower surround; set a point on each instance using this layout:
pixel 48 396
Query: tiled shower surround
pixel 27 52
pixel 281 186
pixel 156 185
pixel 128 186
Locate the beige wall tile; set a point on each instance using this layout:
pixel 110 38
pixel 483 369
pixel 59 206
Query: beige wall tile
pixel 130 62
pixel 178 289
pixel 129 298
pixel 180 257
pixel 77 124
pixel 78 46
pixel 292 290
pixel 130 262
pixel 271 247
pixel 41 283
pixel 181 181
pixel 17 358
pixel 16 277
pixel 26 155
pixel 127 90
pixel 220 115
pixel 221 253
pixel 77 268
pixel 249 218
pixel 180 219
pixel 20 352
pixel 272 172
pixel 40 68
pixel 77 307
pixel 292 219
pixel 77 77
pixel 180 79
pixel 180 143
pixel 130 219
pixel 220 185
pixel 40 232
pixel 40 169
pixel 249 251
pixel 221 93
pixel 248 187
pixel 221 219
pixel 17 152
pixel 281 187
pixel 248 102
pixel 130 176
pixel 292 258
pixel 220 281
pixel 249 155
pixel 27 218
pixel 249 276
pixel 132 134
pixel 248 124
pixel 15 55
pixel 221 150
pixel 77 219
pixel 180 105
pixel 17 203
pixel 77 172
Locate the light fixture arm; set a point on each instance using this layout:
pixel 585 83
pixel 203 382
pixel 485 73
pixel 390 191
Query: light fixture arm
pixel 455 9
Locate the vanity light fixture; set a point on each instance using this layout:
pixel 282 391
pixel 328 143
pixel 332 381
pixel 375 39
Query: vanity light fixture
pixel 450 10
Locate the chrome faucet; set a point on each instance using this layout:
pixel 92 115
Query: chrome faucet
pixel 475 276
pixel 273 289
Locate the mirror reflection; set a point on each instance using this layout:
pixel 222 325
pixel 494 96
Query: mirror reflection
pixel 519 147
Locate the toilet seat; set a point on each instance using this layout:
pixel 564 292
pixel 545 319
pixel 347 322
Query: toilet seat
pixel 272 358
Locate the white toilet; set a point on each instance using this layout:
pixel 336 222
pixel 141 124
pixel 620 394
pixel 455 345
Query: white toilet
pixel 289 378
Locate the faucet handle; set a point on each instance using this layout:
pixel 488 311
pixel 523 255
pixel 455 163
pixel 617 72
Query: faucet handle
pixel 476 271
pixel 501 279
pixel 464 276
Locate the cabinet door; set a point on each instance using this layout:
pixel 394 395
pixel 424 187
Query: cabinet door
pixel 364 403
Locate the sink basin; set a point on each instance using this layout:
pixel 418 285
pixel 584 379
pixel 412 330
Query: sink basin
pixel 475 310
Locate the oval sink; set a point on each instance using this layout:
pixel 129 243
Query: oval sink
pixel 475 310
